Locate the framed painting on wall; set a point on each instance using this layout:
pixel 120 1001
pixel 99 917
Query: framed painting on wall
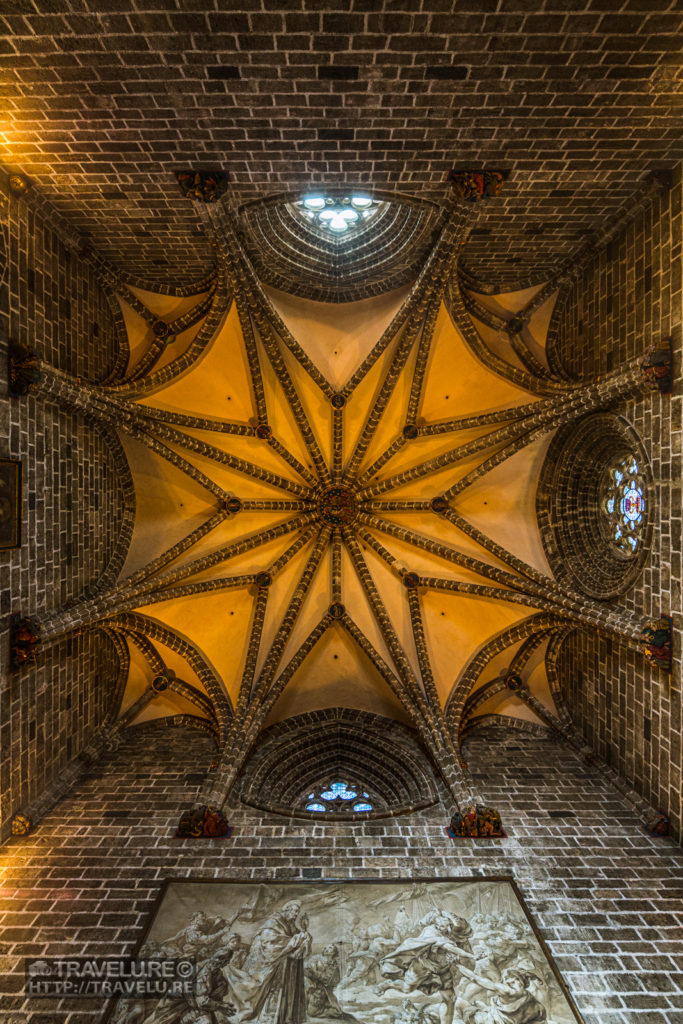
pixel 369 952
pixel 10 504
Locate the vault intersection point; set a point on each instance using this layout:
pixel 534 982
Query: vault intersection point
pixel 338 506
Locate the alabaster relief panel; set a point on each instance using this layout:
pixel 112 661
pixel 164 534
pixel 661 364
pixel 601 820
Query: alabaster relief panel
pixel 414 952
pixel 10 504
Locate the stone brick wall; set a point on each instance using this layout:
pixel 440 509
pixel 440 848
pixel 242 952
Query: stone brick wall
pixel 71 508
pixel 628 297
pixel 577 100
pixel 599 888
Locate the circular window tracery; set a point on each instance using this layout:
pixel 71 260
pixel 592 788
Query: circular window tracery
pixel 338 215
pixel 623 504
pixel 595 506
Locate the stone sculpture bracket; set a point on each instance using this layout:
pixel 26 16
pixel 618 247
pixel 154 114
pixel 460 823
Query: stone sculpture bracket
pixel 23 370
pixel 203 823
pixel 476 823
pixel 24 640
pixel 656 641
pixel 657 366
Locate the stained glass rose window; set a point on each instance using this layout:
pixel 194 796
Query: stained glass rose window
pixel 623 504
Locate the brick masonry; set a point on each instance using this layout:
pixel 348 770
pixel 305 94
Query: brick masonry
pixel 630 296
pixel 71 510
pixel 603 893
pixel 575 99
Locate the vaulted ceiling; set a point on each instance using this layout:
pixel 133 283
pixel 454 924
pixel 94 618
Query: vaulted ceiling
pixel 170 505
pixel 312 525
pixel 335 503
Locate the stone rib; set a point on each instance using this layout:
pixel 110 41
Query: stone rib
pixel 480 696
pixel 233 461
pixel 115 414
pixel 283 505
pixel 485 419
pixel 505 556
pixel 390 638
pixel 336 580
pixel 159 378
pixel 391 679
pixel 427 334
pixel 141 624
pixel 300 542
pixel 423 351
pixel 194 422
pixel 295 662
pixel 421 650
pixel 337 445
pixel 262 309
pixel 431 718
pixel 254 645
pixel 437 263
pixel 292 396
pixel 519 434
pixel 385 457
pixel 439 462
pixel 175 459
pixel 149 651
pixel 291 614
pixel 253 361
pixel 446 552
pixel 290 459
pixel 521 378
pixel 158 666
pixel 175 550
pixel 380 402
pixel 396 506
pixel 527 357
pixel 245 733
pixel 585 400
pixel 585 613
pixel 541 623
pixel 112 602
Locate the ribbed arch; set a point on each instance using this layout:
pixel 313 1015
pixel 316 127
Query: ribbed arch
pixel 295 256
pixel 373 754
pixel 475 666
pixel 134 622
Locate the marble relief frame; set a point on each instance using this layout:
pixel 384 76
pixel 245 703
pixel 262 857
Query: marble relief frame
pixel 10 504
pixel 412 951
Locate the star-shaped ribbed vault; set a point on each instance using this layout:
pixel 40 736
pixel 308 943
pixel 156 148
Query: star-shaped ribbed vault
pixel 335 505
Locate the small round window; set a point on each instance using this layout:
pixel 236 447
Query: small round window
pixel 622 500
pixel 338 215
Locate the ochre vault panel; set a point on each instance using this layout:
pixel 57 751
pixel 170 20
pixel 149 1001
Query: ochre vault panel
pixel 460 951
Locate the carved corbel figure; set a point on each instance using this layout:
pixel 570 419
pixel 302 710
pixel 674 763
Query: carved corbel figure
pixel 203 823
pixel 657 366
pixel 473 186
pixel 476 822
pixel 656 642
pixel 23 370
pixel 24 641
